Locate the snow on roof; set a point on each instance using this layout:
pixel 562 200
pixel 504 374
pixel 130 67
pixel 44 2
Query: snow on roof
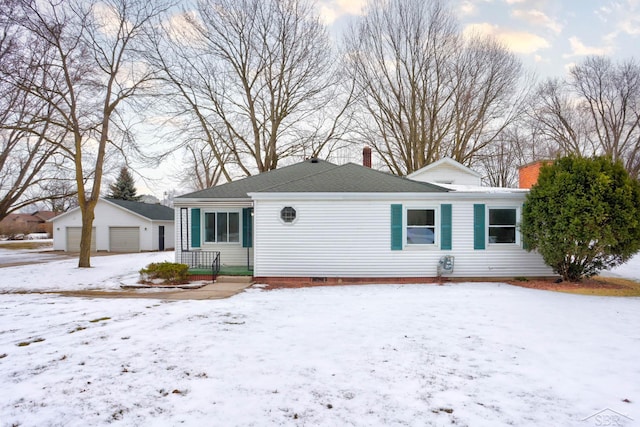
pixel 460 188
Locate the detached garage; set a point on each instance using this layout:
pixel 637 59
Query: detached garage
pixel 119 226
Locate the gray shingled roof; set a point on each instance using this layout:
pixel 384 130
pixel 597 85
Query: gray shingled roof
pixel 147 210
pixel 317 176
pixel 239 189
pixel 353 178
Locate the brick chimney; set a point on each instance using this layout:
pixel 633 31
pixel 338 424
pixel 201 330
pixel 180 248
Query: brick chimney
pixel 528 174
pixel 366 156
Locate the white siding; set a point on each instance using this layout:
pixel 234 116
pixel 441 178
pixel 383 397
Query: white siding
pixel 231 254
pixel 169 234
pixel 341 238
pixel 108 215
pixel 446 174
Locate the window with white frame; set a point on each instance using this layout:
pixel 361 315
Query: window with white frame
pixel 421 226
pixel 502 225
pixel 222 227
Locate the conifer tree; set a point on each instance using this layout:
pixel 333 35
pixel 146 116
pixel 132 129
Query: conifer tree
pixel 123 188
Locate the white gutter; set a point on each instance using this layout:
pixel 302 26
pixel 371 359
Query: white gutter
pixel 454 195
pixel 186 202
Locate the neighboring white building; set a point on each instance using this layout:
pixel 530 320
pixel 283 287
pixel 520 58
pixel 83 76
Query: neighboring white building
pixel 119 226
pixel 447 171
pixel 322 222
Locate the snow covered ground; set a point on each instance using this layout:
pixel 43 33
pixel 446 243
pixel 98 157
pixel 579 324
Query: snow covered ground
pixel 9 256
pixel 110 271
pixel 106 272
pixel 462 354
pixel 628 270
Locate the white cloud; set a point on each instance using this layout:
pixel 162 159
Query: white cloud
pixel 603 13
pixel 108 18
pixel 580 49
pixel 569 66
pixel 328 15
pixel 630 25
pixel 516 41
pixel 541 59
pixel 625 17
pixel 467 8
pixel 179 27
pixel 536 17
pixel 605 10
pixel 331 10
pixel 352 7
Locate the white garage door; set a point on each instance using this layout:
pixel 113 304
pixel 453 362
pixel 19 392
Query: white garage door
pixel 73 239
pixel 124 239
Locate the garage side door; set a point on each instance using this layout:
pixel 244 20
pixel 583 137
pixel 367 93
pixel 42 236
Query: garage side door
pixel 73 239
pixel 124 239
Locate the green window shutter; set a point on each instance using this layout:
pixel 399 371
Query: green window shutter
pixel 445 227
pixel 396 227
pixel 478 227
pixel 195 227
pixel 247 227
pixel 524 243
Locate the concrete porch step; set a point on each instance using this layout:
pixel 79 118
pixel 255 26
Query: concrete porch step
pixel 234 279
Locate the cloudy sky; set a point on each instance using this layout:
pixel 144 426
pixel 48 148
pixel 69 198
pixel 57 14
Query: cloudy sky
pixel 549 35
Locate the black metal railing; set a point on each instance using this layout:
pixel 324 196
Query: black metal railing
pixel 215 267
pixel 198 259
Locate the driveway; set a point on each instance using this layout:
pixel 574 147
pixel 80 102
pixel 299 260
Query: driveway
pixel 13 257
pixel 224 287
pixel 14 253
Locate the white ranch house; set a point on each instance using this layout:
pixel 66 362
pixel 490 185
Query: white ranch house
pixel 317 221
pixel 119 226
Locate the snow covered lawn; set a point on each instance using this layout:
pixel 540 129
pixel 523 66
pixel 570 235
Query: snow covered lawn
pixel 106 272
pixel 110 271
pixel 462 354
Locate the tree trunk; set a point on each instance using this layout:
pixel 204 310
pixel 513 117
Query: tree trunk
pixel 84 260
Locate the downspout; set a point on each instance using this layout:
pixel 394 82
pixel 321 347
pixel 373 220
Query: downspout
pixel 249 267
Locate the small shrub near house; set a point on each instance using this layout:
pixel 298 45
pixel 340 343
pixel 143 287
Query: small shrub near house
pixel 165 273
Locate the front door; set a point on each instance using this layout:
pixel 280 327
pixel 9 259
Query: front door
pixel 161 238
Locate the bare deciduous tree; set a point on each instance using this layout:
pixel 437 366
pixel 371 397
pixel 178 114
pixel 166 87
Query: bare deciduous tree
pixel 556 120
pixel 95 67
pixel 595 111
pixel 424 90
pixel 204 169
pixel 257 77
pixel 29 159
pixel 610 95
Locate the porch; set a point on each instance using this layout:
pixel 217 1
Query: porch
pixel 207 263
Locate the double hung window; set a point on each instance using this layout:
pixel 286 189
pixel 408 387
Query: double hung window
pixel 222 227
pixel 421 226
pixel 502 225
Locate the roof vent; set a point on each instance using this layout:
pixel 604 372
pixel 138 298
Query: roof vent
pixel 314 160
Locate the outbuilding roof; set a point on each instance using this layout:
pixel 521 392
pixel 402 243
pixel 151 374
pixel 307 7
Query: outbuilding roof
pixel 152 211
pixel 316 176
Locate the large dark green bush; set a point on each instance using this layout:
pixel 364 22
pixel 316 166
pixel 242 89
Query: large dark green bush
pixel 583 216
pixel 168 272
